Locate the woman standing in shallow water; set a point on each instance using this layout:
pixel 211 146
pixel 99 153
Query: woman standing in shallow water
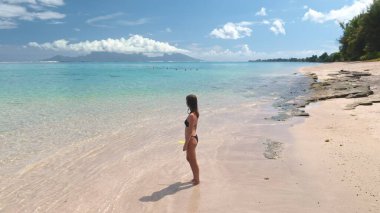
pixel 191 137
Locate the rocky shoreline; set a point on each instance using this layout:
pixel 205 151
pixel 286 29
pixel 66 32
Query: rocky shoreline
pixel 361 85
pixel 343 84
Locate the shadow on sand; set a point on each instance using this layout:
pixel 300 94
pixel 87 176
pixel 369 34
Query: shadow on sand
pixel 169 190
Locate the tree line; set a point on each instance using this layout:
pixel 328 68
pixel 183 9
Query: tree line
pixel 325 57
pixel 361 35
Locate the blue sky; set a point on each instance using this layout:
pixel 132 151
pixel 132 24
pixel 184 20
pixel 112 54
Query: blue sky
pixel 218 30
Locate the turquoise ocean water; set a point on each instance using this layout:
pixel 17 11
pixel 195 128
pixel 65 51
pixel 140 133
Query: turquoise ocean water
pixel 46 106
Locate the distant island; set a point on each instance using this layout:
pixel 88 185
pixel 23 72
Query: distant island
pixel 121 57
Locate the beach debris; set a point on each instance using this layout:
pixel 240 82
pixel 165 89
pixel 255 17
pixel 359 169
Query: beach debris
pixel 327 140
pixel 266 178
pixel 273 149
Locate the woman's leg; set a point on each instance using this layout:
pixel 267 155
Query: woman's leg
pixel 192 158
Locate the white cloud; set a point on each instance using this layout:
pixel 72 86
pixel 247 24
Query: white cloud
pixel 36 7
pixel 217 53
pixel 168 30
pixel 315 16
pixel 278 27
pixel 262 12
pixel 244 53
pixel 133 22
pixel 49 3
pixel 19 1
pixel 245 50
pixel 95 21
pixel 134 44
pixel 232 30
pixel 52 3
pixel 49 15
pixel 289 54
pixel 343 14
pixel 110 20
pixel 4 24
pixel 12 11
pixel 28 10
pixel 56 22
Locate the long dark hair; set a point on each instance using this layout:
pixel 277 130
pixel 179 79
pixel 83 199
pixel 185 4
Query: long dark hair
pixel 192 103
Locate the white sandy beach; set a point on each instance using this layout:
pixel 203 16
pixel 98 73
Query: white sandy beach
pixel 340 148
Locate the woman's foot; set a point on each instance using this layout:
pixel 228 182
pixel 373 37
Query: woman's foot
pixel 195 182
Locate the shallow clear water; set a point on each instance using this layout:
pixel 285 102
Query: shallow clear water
pixel 44 107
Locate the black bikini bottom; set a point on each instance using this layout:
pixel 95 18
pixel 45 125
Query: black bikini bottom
pixel 196 137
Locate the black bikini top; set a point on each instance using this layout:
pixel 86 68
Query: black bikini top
pixel 186 123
